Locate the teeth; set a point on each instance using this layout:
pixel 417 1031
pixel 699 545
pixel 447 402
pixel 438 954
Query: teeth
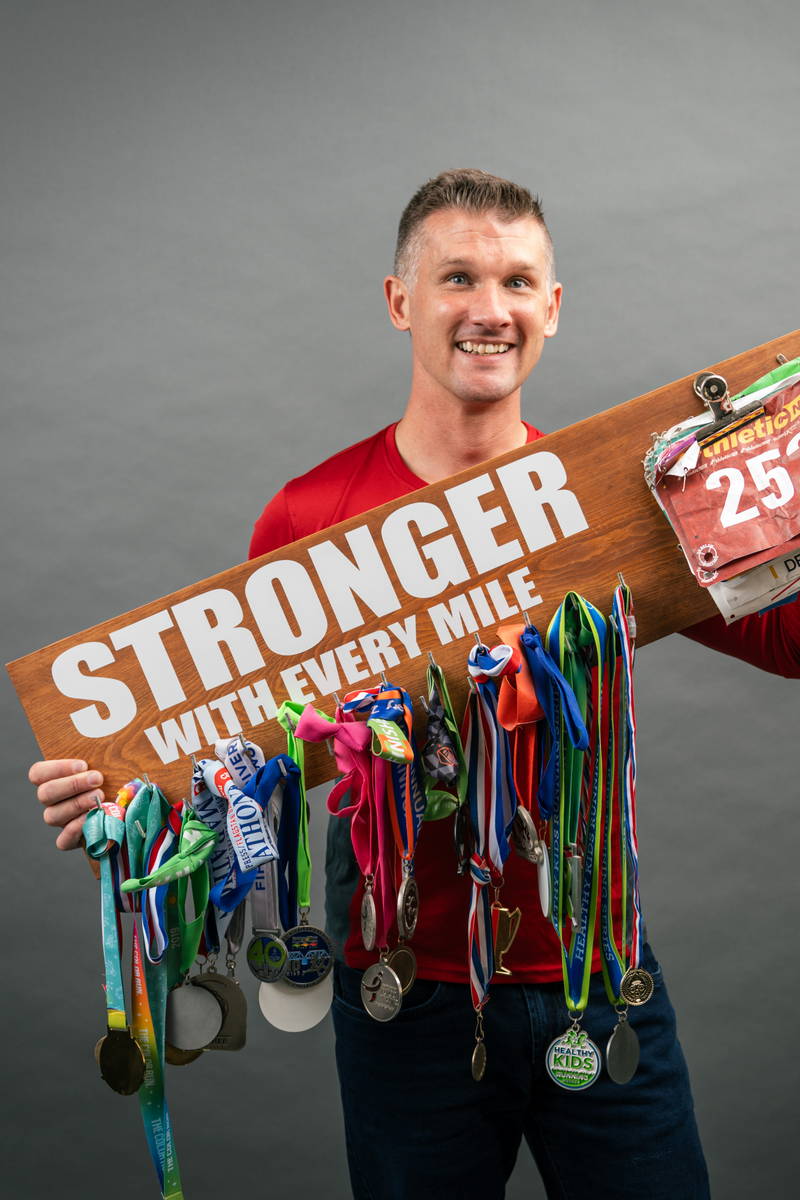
pixel 482 347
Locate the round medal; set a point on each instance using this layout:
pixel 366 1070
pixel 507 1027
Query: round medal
pixel 543 878
pixel 369 920
pixel 381 992
pixel 267 957
pixel 636 986
pixel 179 1058
pixel 194 1017
pixel 573 1061
pixel 407 907
pixel 479 1061
pixel 121 1061
pixel 524 836
pixel 310 956
pixel 622 1053
pixel 233 1032
pixel 295 1009
pixel 403 962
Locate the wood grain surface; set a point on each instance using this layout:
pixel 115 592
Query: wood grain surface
pixel 626 533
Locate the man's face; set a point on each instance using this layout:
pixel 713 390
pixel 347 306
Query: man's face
pixel 479 307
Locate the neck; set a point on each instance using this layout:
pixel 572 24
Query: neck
pixel 440 439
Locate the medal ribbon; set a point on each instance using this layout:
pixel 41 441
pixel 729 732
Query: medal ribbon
pixel 288 715
pixel 442 759
pixel 276 787
pixel 492 802
pixel 576 639
pixel 363 781
pixel 622 800
pixel 406 796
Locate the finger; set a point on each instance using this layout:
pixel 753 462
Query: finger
pixel 56 790
pixel 70 836
pixel 55 768
pixel 68 810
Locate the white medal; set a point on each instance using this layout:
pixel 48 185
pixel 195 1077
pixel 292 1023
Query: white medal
pixel 295 1009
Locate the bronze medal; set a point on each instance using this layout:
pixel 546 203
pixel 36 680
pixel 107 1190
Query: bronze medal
pixel 407 907
pixel 636 986
pixel 233 1032
pixel 479 1061
pixel 403 962
pixel 121 1061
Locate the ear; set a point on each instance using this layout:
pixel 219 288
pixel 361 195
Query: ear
pixel 397 301
pixel 553 309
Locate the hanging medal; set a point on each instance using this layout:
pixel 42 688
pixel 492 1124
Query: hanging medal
pixel 576 640
pixel 309 949
pixel 444 770
pixel 492 803
pixel 562 720
pixel 622 974
pixel 118 1054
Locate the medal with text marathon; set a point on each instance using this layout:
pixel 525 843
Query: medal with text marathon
pixel 146 832
pixel 576 640
pixel 626 982
pixel 309 949
pixel 492 802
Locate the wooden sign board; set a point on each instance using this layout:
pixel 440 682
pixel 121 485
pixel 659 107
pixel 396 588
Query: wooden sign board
pixel 141 692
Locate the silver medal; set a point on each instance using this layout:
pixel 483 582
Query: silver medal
pixel 194 1017
pixel 233 1031
pixel 543 877
pixel 407 907
pixel 369 919
pixel 524 836
pixel 622 1052
pixel 403 962
pixel 381 992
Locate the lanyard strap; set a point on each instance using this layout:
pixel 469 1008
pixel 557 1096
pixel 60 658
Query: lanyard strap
pixel 104 831
pixel 625 951
pixel 576 639
pixel 406 797
pixel 492 802
pixel 443 763
pixel 288 716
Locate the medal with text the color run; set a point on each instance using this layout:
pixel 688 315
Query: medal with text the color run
pixel 576 641
pixel 118 1054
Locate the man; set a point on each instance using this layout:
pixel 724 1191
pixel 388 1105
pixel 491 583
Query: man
pixel 474 286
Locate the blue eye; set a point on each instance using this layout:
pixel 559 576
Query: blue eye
pixel 518 282
pixel 458 277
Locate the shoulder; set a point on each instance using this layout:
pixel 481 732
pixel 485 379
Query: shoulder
pixel 315 500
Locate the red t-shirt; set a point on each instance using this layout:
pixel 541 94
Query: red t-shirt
pixel 354 481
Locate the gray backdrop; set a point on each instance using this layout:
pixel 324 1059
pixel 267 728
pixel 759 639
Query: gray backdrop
pixel 199 203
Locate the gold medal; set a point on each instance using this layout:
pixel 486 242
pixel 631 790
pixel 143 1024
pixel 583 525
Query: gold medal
pixel 636 986
pixel 505 924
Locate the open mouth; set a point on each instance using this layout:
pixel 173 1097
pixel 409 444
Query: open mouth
pixel 483 348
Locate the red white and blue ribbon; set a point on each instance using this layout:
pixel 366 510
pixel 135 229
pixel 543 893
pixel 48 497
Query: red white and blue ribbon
pixel 492 800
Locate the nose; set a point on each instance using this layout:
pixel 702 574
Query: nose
pixel 490 307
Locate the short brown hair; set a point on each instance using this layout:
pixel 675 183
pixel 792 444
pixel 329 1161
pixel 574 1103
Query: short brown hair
pixel 473 191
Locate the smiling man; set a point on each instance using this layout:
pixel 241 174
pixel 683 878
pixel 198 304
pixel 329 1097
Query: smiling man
pixel 474 286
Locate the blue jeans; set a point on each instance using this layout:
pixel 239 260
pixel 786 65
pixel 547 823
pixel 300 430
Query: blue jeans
pixel 418 1126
